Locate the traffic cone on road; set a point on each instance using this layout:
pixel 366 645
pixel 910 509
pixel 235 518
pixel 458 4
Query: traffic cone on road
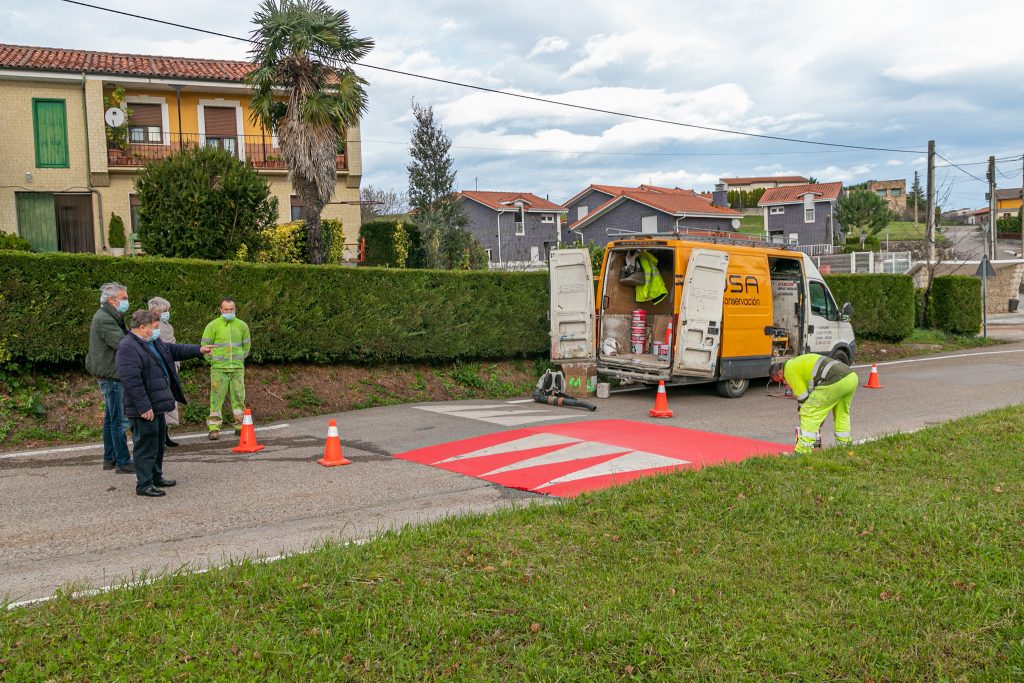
pixel 873 382
pixel 247 441
pixel 332 451
pixel 660 408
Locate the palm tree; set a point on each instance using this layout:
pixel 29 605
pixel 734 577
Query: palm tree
pixel 303 50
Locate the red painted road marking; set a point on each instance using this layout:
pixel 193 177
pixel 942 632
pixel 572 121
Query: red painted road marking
pixel 568 459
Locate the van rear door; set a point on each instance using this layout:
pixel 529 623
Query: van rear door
pixel 571 282
pixel 696 352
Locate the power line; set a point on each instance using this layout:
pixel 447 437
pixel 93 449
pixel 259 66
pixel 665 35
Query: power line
pixel 962 169
pixel 522 96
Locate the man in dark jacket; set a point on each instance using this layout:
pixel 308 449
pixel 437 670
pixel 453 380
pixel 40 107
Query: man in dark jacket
pixel 105 332
pixel 145 366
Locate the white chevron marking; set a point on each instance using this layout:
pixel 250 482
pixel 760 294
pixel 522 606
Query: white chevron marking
pixel 578 451
pixel 635 461
pixel 523 444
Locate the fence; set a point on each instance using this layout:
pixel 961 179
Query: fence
pixel 891 262
pixel 259 151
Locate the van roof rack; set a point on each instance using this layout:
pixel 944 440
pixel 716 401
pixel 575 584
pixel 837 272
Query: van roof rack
pixel 696 235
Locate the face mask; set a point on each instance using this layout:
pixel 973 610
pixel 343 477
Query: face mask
pixel 228 316
pixel 156 335
pixel 122 305
pixel 165 316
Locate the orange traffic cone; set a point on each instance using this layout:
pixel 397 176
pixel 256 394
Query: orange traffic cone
pixel 873 382
pixel 660 408
pixel 332 451
pixel 247 442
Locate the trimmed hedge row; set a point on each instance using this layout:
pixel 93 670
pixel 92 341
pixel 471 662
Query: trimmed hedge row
pixel 883 305
pixel 956 304
pixel 296 312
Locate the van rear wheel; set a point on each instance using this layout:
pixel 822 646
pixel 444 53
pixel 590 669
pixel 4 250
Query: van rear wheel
pixel 733 388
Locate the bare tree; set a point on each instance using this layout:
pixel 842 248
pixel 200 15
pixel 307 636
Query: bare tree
pixel 376 202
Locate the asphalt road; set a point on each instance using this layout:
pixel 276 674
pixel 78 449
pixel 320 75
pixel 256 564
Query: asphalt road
pixel 66 522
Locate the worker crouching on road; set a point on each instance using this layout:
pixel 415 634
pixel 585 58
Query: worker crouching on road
pixel 229 337
pixel 821 385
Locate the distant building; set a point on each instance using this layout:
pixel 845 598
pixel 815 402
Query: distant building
pixel 894 192
pixel 803 214
pixel 602 213
pixel 514 227
pixel 759 182
pixel 1007 202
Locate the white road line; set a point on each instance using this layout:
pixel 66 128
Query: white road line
pixel 939 358
pixel 74 449
pixel 145 582
pixel 522 400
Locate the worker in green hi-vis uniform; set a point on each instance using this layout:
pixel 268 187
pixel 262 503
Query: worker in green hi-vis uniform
pixel 230 339
pixel 821 385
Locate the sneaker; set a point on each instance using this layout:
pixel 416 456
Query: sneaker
pixel 125 469
pixel 108 465
pixel 214 435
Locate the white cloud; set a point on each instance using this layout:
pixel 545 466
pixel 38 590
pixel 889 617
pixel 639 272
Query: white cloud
pixel 450 25
pixel 832 173
pixel 654 49
pixel 678 178
pixel 894 162
pixel 548 45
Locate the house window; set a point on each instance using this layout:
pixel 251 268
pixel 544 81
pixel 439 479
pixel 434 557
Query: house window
pixel 50 125
pixel 547 218
pixel 808 208
pixel 145 126
pixel 135 205
pixel 777 210
pixel 649 224
pixel 880 193
pixel 489 259
pixel 520 222
pixel 895 192
pixel 298 208
pixel 221 128
pixel 581 212
pixel 809 215
pixel 794 238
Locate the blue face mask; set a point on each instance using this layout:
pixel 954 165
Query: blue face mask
pixel 156 335
pixel 228 316
pixel 122 305
pixel 165 316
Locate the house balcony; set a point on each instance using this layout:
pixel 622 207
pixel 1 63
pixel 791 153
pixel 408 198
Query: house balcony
pixel 258 151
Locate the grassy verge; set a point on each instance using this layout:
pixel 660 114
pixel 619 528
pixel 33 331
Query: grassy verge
pixel 920 342
pixel 752 225
pixel 899 559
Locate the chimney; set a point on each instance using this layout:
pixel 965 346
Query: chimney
pixel 720 197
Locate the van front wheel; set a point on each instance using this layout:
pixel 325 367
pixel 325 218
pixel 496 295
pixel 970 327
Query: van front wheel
pixel 733 388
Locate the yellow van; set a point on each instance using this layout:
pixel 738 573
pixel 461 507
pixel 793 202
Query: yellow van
pixel 732 304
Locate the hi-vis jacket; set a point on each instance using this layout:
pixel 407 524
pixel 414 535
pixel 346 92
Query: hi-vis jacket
pixel 810 370
pixel 653 288
pixel 230 342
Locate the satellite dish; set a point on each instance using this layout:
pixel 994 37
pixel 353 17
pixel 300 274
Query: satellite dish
pixel 735 223
pixel 114 117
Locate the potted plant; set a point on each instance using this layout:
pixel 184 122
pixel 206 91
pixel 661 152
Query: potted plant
pixel 115 235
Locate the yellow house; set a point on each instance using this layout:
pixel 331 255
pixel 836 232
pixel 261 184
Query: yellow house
pixel 61 176
pixel 1008 202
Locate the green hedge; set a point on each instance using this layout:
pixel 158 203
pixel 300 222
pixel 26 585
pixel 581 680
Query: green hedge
pixel 883 305
pixel 956 304
pixel 296 312
pixel 382 249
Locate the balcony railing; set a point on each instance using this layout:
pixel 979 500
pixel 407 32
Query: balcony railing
pixel 258 151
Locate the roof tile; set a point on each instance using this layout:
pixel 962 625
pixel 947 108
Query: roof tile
pixel 794 193
pixel 502 200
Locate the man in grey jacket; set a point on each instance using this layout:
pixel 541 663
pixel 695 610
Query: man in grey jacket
pixel 105 333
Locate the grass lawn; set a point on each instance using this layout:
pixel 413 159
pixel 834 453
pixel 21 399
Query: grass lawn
pixel 752 225
pixel 920 342
pixel 898 559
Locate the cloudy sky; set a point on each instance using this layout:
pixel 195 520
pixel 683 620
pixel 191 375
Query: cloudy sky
pixel 878 74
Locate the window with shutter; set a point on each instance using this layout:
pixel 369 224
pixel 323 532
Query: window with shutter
pixel 146 124
pixel 221 128
pixel 49 121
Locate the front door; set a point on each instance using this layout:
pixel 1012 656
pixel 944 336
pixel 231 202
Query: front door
pixel 571 283
pixel 74 223
pixel 700 315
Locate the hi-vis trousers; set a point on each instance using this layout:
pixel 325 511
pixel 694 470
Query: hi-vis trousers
pixel 227 384
pixel 831 398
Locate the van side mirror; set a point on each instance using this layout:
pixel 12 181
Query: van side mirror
pixel 847 312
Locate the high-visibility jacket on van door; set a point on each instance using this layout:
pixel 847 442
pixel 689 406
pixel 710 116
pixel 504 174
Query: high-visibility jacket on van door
pixel 230 341
pixel 811 370
pixel 653 288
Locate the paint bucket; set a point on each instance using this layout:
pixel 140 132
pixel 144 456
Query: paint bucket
pixel 660 349
pixel 604 390
pixel 637 347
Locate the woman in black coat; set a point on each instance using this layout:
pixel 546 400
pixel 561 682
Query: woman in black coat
pixel 145 367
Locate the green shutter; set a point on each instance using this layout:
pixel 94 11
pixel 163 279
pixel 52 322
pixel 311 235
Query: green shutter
pixel 37 220
pixel 49 118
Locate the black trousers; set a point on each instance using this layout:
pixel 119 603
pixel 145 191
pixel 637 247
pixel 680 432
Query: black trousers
pixel 149 437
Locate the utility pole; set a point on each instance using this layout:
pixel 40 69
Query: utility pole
pixel 1022 210
pixel 992 206
pixel 929 219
